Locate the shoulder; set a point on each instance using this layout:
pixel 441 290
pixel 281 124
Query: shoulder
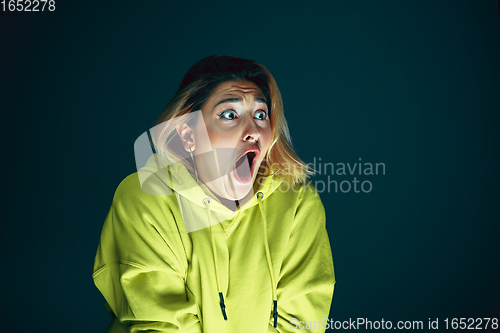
pixel 298 211
pixel 302 200
pixel 129 190
pixel 129 185
pixel 139 225
pixel 136 187
pixel 299 192
pixel 133 198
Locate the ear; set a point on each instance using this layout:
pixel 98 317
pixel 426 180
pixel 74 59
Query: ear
pixel 187 136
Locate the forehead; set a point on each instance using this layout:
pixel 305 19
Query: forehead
pixel 241 89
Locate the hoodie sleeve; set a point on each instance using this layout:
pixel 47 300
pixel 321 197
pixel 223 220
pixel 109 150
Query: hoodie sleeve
pixel 140 265
pixel 306 282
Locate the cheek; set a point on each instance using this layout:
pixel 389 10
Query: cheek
pixel 266 136
pixel 223 138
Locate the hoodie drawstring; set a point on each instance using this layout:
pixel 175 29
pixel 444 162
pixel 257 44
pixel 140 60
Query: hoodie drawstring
pixel 206 203
pixel 259 197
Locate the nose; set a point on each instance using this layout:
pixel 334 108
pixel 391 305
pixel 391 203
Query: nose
pixel 251 132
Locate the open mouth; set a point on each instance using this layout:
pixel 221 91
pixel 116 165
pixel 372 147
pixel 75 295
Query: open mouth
pixel 244 166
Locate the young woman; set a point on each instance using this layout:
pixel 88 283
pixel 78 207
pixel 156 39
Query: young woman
pixel 219 230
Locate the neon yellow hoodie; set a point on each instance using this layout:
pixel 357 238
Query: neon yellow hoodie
pixel 157 277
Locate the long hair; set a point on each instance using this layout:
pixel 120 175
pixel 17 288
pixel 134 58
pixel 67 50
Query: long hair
pixel 196 87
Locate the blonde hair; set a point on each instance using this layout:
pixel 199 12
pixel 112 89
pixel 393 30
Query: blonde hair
pixel 198 83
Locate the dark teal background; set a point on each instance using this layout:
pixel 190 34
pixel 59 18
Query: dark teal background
pixel 412 84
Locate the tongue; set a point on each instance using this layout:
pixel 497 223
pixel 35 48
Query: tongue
pixel 243 168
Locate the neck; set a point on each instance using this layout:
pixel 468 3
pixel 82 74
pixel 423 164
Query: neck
pixel 234 204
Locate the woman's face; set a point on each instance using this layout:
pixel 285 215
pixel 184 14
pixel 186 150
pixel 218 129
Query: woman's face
pixel 237 122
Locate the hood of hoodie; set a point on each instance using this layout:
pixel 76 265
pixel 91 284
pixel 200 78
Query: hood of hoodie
pixel 159 177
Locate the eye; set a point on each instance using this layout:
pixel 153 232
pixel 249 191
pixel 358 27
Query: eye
pixel 228 115
pixel 261 115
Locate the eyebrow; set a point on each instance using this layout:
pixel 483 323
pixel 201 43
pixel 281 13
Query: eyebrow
pixel 236 100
